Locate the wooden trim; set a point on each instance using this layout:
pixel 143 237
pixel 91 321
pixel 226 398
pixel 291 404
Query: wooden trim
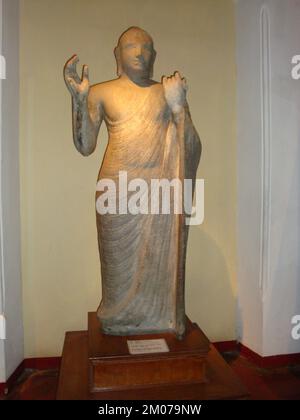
pixel 15 376
pixel 226 346
pixel 280 360
pixel 6 386
pixel 2 388
pixel 42 363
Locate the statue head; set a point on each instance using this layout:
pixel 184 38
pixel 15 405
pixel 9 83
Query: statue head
pixel 135 53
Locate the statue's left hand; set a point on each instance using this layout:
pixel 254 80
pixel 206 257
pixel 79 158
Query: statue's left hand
pixel 175 88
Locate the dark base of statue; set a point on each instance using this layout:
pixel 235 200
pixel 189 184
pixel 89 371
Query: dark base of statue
pixel 141 367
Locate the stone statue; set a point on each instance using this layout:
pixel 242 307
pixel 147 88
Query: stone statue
pixel 151 136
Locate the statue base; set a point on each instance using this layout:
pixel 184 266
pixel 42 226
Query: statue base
pixel 104 367
pixel 155 359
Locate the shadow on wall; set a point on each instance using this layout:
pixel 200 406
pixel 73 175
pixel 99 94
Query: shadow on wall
pixel 208 278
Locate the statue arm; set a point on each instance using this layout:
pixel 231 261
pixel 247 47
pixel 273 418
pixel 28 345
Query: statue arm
pixel 175 88
pixel 87 111
pixel 183 121
pixel 87 117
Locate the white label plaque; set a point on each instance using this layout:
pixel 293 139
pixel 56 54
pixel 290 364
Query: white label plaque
pixel 157 345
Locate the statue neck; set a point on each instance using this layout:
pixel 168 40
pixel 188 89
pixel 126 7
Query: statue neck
pixel 142 80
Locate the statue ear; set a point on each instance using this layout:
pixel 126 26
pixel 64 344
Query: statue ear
pixel 118 60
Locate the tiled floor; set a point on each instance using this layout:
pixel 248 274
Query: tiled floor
pixel 270 384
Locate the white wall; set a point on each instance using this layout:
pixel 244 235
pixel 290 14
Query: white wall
pixel 10 192
pixel 248 175
pixel 268 34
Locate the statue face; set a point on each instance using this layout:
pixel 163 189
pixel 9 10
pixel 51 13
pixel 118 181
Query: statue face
pixel 136 53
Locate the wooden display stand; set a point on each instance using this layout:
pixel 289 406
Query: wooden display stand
pixel 99 366
pixel 112 367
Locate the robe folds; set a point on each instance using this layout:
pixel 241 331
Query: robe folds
pixel 143 255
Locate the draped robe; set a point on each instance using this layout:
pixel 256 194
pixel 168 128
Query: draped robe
pixel 143 255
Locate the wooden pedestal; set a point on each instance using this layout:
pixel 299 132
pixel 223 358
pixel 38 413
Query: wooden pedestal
pixel 97 366
pixel 112 367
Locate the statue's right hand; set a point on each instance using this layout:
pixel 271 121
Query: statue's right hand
pixel 79 88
